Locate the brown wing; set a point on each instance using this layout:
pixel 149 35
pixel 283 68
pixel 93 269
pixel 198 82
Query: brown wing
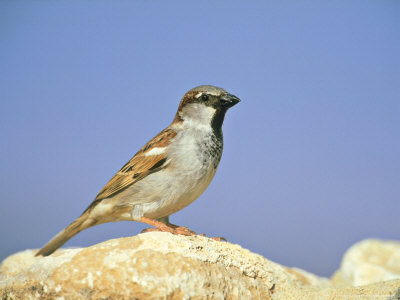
pixel 139 166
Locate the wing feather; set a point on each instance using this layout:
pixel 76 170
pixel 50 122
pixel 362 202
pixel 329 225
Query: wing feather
pixel 139 166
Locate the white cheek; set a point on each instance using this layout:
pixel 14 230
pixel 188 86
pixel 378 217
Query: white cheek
pixel 197 114
pixel 155 151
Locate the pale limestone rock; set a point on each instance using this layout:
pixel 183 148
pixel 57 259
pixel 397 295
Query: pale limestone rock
pixel 164 266
pixel 370 261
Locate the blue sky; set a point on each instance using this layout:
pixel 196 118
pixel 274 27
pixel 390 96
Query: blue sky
pixel 311 158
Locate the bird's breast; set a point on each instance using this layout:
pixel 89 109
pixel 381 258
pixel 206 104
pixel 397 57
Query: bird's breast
pixel 197 152
pixel 193 164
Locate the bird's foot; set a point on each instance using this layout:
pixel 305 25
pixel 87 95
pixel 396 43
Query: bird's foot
pixel 180 229
pixel 160 226
pixel 184 230
pixel 174 229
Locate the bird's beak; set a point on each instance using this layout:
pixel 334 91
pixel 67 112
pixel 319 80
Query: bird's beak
pixel 229 100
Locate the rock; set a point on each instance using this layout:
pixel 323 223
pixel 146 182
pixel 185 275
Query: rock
pixel 369 261
pixel 164 266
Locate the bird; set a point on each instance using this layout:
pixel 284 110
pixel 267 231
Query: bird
pixel 168 173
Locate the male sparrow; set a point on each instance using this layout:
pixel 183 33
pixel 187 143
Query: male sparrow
pixel 167 174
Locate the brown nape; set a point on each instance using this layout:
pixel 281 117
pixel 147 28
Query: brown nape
pixel 178 119
pixel 188 97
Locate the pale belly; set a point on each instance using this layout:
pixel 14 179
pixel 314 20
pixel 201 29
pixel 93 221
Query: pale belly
pixel 163 193
pixel 185 190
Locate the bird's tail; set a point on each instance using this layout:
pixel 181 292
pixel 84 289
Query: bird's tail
pixel 63 236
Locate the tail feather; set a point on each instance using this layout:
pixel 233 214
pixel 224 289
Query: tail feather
pixel 63 236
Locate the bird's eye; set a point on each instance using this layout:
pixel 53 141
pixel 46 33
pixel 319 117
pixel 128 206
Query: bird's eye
pixel 204 97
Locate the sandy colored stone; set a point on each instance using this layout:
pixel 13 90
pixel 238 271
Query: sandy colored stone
pixel 164 266
pixel 368 262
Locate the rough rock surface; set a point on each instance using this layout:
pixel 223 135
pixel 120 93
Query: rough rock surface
pixel 164 266
pixel 370 261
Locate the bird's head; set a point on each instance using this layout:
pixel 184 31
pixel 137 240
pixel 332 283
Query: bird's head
pixel 205 105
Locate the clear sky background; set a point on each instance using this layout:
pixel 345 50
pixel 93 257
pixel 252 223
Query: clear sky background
pixel 311 160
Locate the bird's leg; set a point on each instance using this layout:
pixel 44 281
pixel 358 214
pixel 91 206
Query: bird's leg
pixel 161 226
pixel 165 220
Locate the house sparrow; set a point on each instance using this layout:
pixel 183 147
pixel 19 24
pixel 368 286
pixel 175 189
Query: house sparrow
pixel 167 174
